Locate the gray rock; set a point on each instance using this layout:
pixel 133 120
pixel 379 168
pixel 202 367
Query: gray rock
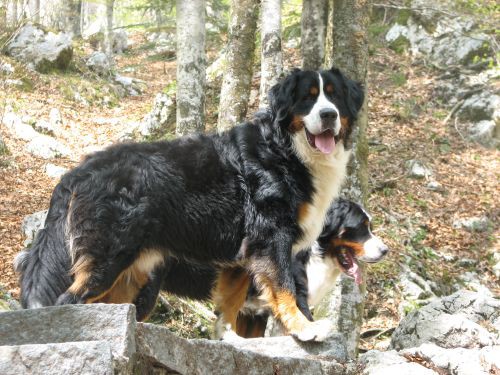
pixel 413 286
pixel 252 356
pixel 467 262
pixel 91 357
pixel 459 361
pixel 55 118
pixel 472 281
pixel 55 171
pixel 17 127
pixel 162 117
pixel 100 63
pixel 131 85
pixel 395 32
pixel 484 105
pixel 417 170
pixel 32 224
pixel 120 41
pixel 114 324
pixel 14 82
pixel 375 362
pixel 6 68
pixel 44 127
pixel 450 322
pixel 485 132
pixel 496 269
pixel 473 224
pixel 47 147
pixel 435 186
pixel 43 51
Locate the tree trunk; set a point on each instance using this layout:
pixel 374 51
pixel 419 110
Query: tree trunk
pixel 235 90
pixel 3 14
pixel 108 34
pixel 36 11
pixel 271 57
pixel 15 15
pixel 191 66
pixel 350 54
pixel 313 33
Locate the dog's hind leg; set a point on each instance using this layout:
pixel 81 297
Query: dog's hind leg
pixel 229 296
pixel 110 281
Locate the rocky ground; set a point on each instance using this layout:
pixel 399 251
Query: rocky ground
pixel 434 190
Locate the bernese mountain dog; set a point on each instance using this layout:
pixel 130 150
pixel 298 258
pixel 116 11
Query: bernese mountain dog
pixel 262 188
pixel 345 239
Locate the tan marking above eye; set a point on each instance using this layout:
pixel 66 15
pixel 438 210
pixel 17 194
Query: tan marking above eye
pixel 313 90
pixel 329 88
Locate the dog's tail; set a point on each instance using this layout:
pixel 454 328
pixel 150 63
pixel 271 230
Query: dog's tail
pixel 44 268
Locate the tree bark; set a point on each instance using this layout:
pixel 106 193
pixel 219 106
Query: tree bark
pixel 15 15
pixel 313 33
pixel 108 33
pixel 271 56
pixel 191 66
pixel 36 11
pixel 3 14
pixel 235 91
pixel 350 54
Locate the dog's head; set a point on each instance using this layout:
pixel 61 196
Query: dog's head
pixel 317 108
pixel 347 237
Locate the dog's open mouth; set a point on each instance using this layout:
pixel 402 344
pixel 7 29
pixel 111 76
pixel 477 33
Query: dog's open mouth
pixel 349 264
pixel 325 142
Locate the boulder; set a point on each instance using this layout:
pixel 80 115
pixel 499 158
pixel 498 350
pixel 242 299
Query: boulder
pixel 132 86
pixel 375 362
pixel 284 355
pixel 120 41
pixel 54 171
pixel 162 117
pixel 40 50
pixel 32 224
pixel 47 147
pixel 100 63
pixel 473 224
pixel 6 68
pixel 416 169
pixel 113 325
pixel 91 357
pixel 450 322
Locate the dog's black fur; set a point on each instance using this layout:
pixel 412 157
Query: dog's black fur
pixel 197 199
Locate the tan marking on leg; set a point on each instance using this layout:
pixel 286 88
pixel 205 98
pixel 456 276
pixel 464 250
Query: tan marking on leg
pixel 283 305
pixel 303 212
pixel 127 286
pixel 81 271
pixel 230 293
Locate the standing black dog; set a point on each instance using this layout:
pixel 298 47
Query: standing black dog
pixel 265 186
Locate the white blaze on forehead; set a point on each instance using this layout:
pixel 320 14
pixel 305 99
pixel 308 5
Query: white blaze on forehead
pixel 313 119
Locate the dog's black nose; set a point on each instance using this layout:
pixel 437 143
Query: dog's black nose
pixel 328 113
pixel 384 249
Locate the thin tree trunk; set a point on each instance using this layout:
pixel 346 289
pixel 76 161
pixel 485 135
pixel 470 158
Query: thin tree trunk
pixel 108 34
pixel 235 91
pixel 15 16
pixel 3 14
pixel 191 66
pixel 350 54
pixel 313 33
pixel 271 56
pixel 36 11
pixel 329 37
pixel 77 15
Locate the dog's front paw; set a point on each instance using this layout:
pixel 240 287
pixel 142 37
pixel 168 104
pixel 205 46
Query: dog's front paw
pixel 314 331
pixel 68 299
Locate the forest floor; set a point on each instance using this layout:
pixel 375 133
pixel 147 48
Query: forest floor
pixel 406 122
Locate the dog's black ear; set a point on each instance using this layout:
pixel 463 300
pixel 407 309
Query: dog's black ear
pixel 353 92
pixel 281 95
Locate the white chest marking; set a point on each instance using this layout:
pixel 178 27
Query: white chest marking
pixel 322 273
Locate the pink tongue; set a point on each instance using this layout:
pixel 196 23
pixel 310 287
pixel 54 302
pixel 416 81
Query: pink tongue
pixel 355 272
pixel 325 142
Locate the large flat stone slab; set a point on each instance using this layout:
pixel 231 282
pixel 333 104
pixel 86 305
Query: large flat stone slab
pixel 90 357
pixel 162 349
pixel 114 324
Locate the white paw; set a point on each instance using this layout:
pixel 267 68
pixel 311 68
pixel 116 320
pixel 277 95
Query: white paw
pixel 315 331
pixel 231 336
